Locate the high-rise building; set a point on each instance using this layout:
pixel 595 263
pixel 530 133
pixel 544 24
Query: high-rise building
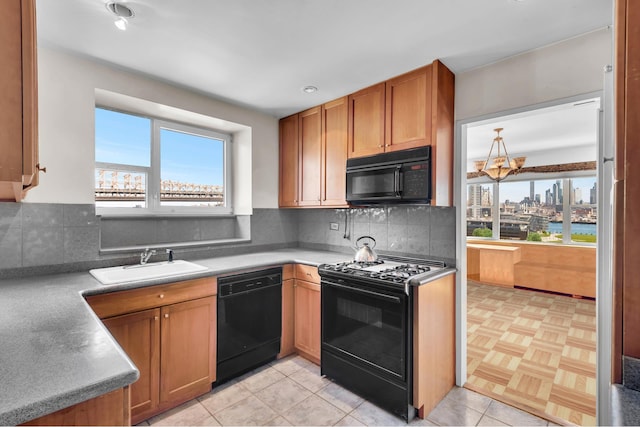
pixel 577 196
pixel 532 190
pixel 474 200
pixel 593 194
pixel 548 197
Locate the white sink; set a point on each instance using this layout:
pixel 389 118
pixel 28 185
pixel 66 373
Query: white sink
pixel 141 272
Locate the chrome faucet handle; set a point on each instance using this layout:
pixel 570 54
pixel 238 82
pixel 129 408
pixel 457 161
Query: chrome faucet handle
pixel 144 256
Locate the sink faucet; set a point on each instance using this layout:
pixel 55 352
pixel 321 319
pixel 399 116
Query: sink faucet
pixel 144 256
pixel 170 255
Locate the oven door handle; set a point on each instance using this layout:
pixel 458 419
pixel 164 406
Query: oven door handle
pixel 395 299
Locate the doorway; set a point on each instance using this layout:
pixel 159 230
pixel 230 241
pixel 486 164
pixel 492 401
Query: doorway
pixel 533 228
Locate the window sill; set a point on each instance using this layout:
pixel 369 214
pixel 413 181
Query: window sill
pixel 202 243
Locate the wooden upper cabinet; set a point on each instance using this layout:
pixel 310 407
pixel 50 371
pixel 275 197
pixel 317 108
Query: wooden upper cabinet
pixel 310 147
pixel 288 194
pixel 366 121
pixel 408 110
pixel 334 153
pixel 18 104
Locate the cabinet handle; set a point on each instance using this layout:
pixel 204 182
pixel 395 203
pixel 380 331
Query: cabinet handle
pixel 309 274
pixel 44 169
pixel 161 296
pixel 155 318
pixel 166 315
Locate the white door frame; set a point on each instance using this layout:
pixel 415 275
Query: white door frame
pixel 604 286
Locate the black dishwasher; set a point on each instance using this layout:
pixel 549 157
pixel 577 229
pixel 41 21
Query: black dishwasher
pixel 249 321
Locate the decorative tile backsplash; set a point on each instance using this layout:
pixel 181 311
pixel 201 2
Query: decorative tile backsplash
pixel 39 238
pixel 412 230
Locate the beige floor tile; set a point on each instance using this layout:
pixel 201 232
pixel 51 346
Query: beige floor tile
pixel 223 397
pixel 452 413
pixel 371 415
pixel 283 394
pixel 512 416
pixel 191 413
pixel 261 379
pixel 348 421
pixel 469 398
pixel 314 411
pixel 340 397
pixel 249 411
pixel 291 364
pixel 278 421
pixel 310 380
pixel 487 421
pixel 422 422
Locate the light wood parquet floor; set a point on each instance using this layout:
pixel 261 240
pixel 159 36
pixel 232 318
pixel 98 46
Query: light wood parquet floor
pixel 533 350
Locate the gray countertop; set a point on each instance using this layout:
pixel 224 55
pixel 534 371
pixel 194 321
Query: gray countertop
pixel 55 352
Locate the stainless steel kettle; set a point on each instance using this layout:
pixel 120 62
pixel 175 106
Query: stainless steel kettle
pixel 365 253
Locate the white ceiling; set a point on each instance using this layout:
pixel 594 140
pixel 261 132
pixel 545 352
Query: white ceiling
pixel 564 133
pixel 260 53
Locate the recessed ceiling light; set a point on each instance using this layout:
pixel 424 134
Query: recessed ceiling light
pixel 309 89
pixel 122 12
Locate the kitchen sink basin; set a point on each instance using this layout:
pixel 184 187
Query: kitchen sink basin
pixel 142 272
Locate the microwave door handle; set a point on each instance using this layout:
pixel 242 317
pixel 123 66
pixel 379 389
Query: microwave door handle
pixel 397 184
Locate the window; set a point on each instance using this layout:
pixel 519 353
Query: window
pixel 550 210
pixel 151 166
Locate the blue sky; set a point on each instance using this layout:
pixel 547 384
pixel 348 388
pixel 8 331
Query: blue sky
pixel 125 139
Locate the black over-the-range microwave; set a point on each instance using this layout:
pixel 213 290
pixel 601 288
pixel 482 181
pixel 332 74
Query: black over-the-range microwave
pixel 395 177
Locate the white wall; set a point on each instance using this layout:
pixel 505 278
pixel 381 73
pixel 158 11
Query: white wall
pixel 67 86
pixel 561 70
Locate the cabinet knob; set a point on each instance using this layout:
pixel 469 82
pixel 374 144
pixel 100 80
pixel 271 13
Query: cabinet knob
pixel 44 169
pixel 161 296
pixel 155 318
pixel 380 146
pixel 166 315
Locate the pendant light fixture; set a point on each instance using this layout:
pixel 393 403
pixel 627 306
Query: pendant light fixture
pixel 122 13
pixel 500 165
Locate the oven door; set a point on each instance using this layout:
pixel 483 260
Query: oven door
pixel 373 184
pixel 366 326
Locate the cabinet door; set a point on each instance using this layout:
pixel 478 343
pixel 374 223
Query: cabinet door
pixel 18 103
pixel 334 152
pixel 366 121
pixel 408 110
pixel 29 97
pixel 288 195
pixel 188 346
pixel 288 312
pixel 139 336
pixel 307 315
pixel 310 156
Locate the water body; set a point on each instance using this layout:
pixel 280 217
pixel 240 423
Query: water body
pixel 576 228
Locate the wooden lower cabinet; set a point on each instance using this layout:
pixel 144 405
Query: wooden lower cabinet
pixel 287 339
pixel 434 349
pixel 173 347
pixel 110 409
pixel 307 319
pixel 187 350
pixel 139 335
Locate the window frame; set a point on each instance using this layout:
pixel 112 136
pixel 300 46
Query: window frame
pixel 153 205
pixel 566 206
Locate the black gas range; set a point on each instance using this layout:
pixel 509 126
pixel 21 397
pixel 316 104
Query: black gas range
pixel 367 328
pixel 387 271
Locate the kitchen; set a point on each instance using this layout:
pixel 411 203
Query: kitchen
pixel 43 228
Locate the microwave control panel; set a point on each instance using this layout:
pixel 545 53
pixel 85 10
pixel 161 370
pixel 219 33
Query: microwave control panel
pixel 416 182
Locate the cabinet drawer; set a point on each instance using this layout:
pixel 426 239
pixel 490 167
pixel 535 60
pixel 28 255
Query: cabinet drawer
pixel 308 273
pixel 121 302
